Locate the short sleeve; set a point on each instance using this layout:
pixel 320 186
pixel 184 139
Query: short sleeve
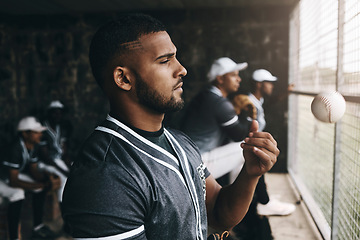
pixel 100 200
pixel 225 114
pixel 14 157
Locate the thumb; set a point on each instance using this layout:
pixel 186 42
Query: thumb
pixel 254 127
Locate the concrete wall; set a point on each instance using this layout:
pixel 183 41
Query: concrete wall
pixel 43 58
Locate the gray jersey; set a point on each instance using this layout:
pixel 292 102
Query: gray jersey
pixel 19 158
pixel 123 186
pixel 210 120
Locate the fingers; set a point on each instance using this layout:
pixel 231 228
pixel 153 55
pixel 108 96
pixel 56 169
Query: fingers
pixel 261 141
pixel 257 137
pixel 254 127
pixel 260 152
pixel 265 158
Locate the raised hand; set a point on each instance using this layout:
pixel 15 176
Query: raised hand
pixel 260 151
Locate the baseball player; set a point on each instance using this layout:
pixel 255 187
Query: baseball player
pixel 135 179
pixel 263 85
pixel 21 173
pixel 212 122
pixel 53 145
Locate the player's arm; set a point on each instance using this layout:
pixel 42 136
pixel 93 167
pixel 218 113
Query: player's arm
pixel 236 129
pixel 228 205
pixel 92 209
pixel 16 182
pixel 45 157
pixel 51 180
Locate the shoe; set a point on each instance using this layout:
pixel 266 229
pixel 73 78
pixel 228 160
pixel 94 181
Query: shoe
pixel 275 208
pixel 43 232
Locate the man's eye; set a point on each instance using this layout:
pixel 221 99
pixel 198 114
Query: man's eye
pixel 165 61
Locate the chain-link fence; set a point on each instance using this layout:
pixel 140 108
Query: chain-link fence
pixel 324 159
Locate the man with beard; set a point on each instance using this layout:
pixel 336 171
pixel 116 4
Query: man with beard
pixel 134 179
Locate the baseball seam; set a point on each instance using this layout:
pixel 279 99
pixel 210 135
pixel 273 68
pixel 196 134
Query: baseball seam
pixel 327 103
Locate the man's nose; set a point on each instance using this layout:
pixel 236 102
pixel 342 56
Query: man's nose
pixel 182 70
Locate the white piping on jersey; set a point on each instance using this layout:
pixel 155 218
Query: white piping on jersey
pixel 11 164
pixel 216 91
pixel 258 103
pixel 25 153
pixel 25 158
pixel 260 111
pixel 193 192
pixel 55 134
pixel 231 121
pixel 141 138
pixel 171 141
pixel 125 235
pixel 116 134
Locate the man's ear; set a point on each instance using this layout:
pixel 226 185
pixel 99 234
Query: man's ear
pixel 121 78
pixel 219 79
pixel 25 135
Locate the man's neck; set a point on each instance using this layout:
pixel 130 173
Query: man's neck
pixel 143 120
pixel 222 90
pixel 257 94
pixel 29 146
pixel 126 108
pixel 224 93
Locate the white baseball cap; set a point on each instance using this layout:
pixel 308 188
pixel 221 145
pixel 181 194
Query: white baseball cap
pixel 56 104
pixel 224 65
pixel 30 123
pixel 261 75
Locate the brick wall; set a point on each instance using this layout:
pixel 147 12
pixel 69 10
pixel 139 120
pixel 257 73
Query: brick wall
pixel 43 58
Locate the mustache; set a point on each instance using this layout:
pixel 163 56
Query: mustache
pixel 179 83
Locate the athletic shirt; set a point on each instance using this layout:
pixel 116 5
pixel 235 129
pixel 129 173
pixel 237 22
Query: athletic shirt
pixel 208 116
pixel 19 158
pixel 53 139
pixel 123 186
pixel 260 111
pixel 157 138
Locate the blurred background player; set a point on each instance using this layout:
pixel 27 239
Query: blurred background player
pixel 54 144
pixel 212 123
pixel 20 173
pixel 263 85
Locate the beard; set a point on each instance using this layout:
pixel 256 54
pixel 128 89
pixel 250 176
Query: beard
pixel 154 100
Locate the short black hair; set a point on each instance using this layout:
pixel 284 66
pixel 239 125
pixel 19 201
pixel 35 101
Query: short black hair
pixel 108 42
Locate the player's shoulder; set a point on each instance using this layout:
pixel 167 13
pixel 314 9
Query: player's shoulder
pixel 15 147
pixel 97 144
pixel 178 134
pixel 184 140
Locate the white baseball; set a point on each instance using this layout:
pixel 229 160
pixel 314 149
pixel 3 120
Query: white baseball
pixel 328 107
